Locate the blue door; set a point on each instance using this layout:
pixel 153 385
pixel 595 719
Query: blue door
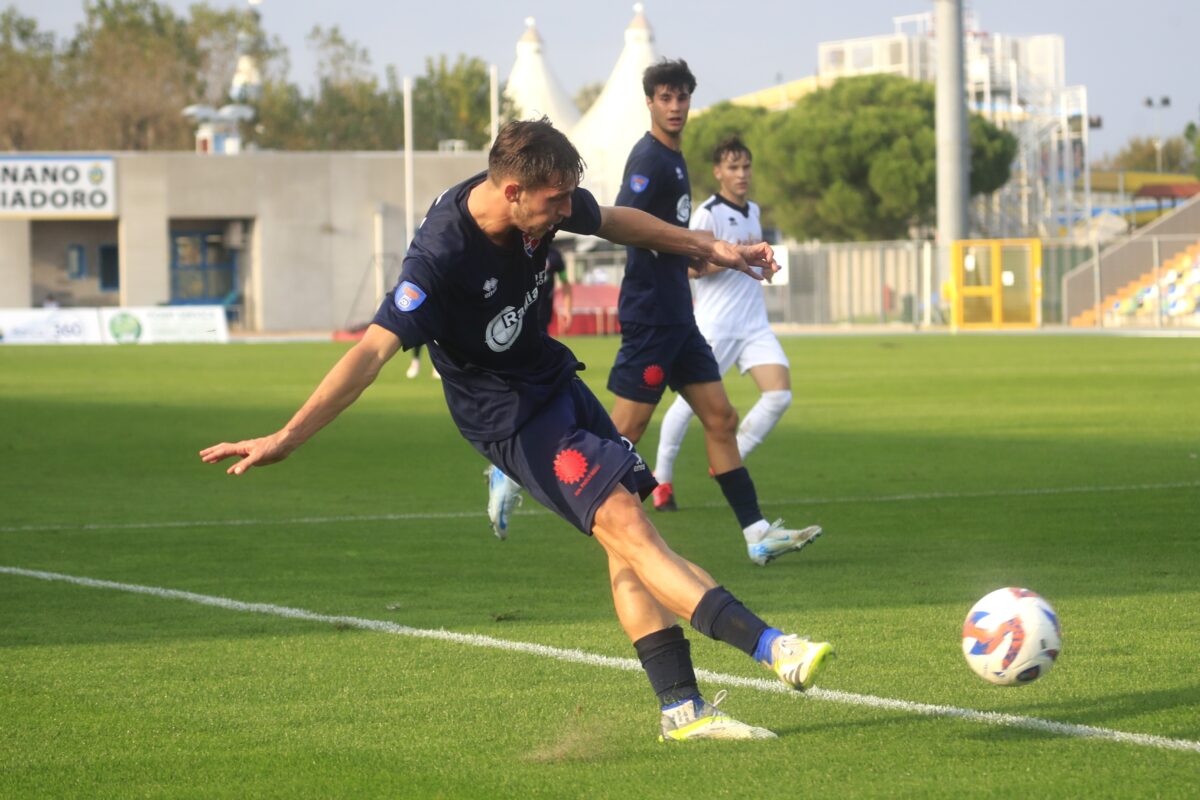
pixel 203 271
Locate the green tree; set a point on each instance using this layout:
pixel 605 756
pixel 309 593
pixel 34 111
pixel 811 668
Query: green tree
pixel 454 102
pixel 1140 155
pixel 31 85
pixel 857 161
pixel 703 133
pixel 135 65
pixel 587 95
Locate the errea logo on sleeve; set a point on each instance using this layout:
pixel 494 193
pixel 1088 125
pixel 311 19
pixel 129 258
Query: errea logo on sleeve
pixel 409 296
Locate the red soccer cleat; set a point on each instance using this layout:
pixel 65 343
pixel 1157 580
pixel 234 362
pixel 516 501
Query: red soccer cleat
pixel 664 498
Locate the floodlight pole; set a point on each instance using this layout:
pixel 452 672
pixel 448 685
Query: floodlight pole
pixel 953 166
pixel 494 74
pixel 409 216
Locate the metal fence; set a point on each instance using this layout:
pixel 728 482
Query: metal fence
pixel 905 283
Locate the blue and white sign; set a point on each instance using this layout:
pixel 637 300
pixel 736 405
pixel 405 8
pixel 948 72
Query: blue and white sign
pixel 58 187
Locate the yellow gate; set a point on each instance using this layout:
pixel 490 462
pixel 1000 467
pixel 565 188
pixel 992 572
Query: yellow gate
pixel 997 283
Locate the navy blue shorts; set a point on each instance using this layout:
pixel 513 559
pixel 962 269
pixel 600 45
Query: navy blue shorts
pixel 653 357
pixel 569 457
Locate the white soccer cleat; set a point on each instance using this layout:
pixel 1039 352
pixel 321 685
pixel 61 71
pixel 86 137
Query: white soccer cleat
pixel 504 494
pixel 414 369
pixel 699 719
pixel 797 661
pixel 779 540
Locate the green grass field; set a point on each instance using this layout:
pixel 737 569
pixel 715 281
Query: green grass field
pixel 941 468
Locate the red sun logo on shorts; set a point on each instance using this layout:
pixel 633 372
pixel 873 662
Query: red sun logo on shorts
pixel 570 465
pixel 653 375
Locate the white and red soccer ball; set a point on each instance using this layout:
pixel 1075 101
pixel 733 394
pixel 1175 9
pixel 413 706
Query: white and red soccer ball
pixel 1011 636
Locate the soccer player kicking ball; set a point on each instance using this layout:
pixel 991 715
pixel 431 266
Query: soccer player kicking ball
pixel 475 268
pixel 660 343
pixel 732 315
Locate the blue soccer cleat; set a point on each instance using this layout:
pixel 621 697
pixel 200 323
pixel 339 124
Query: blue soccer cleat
pixel 504 494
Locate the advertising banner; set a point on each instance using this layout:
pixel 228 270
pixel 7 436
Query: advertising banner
pixel 49 326
pixel 149 325
pixel 163 325
pixel 58 187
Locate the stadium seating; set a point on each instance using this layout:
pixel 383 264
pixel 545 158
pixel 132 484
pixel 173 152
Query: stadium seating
pixel 1174 297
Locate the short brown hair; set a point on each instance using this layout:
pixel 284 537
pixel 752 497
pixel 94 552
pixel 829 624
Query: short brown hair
pixel 535 153
pixel 730 146
pixel 672 74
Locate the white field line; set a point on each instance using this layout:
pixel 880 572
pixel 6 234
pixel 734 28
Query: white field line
pixel 481 511
pixel 629 664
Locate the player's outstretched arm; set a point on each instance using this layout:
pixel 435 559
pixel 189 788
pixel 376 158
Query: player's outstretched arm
pixel 353 373
pixel 635 228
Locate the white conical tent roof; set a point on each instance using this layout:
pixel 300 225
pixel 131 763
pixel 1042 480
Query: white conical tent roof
pixel 531 87
pixel 619 117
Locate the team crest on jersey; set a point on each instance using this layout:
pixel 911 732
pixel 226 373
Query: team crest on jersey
pixel 638 183
pixel 489 287
pixel 409 296
pixel 683 209
pixel 530 243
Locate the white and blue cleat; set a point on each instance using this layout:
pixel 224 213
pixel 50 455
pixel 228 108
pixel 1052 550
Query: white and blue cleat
pixel 504 495
pixel 779 540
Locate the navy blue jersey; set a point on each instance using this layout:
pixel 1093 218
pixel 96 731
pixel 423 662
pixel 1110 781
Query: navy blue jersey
pixel 468 298
pixel 655 288
pixel 557 268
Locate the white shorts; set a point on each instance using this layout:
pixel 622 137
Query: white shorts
pixel 745 353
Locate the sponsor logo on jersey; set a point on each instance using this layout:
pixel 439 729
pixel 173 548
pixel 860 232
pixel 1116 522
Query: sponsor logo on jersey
pixel 530 243
pixel 502 332
pixel 489 287
pixel 570 466
pixel 683 209
pixel 409 296
pixel 653 375
pixel 638 183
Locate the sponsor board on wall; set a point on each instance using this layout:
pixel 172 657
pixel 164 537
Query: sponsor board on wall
pixel 58 187
pixel 148 325
pixel 49 326
pixel 163 325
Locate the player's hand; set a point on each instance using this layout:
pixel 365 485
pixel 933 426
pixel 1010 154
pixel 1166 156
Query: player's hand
pixel 755 260
pixel 564 321
pixel 253 452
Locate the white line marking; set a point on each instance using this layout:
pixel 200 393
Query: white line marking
pixel 628 664
pixel 481 514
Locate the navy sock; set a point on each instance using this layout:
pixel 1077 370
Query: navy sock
pixel 739 492
pixel 666 656
pixel 721 616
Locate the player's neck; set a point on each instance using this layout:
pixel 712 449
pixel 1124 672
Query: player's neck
pixel 671 140
pixel 489 209
pixel 739 200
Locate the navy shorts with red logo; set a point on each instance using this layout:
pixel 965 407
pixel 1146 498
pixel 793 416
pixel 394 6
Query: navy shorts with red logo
pixel 653 357
pixel 569 457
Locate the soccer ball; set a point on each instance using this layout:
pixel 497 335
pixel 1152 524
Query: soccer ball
pixel 1011 636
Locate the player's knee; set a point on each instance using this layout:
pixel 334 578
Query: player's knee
pixel 722 421
pixel 623 527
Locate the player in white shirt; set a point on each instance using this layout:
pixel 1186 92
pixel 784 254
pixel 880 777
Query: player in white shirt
pixel 732 315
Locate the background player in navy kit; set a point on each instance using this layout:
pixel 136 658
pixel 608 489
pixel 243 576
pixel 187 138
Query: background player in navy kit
pixel 474 269
pixel 732 315
pixel 660 343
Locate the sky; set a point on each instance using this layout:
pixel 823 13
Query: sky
pixel 1123 52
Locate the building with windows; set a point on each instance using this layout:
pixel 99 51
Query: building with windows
pixel 286 241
